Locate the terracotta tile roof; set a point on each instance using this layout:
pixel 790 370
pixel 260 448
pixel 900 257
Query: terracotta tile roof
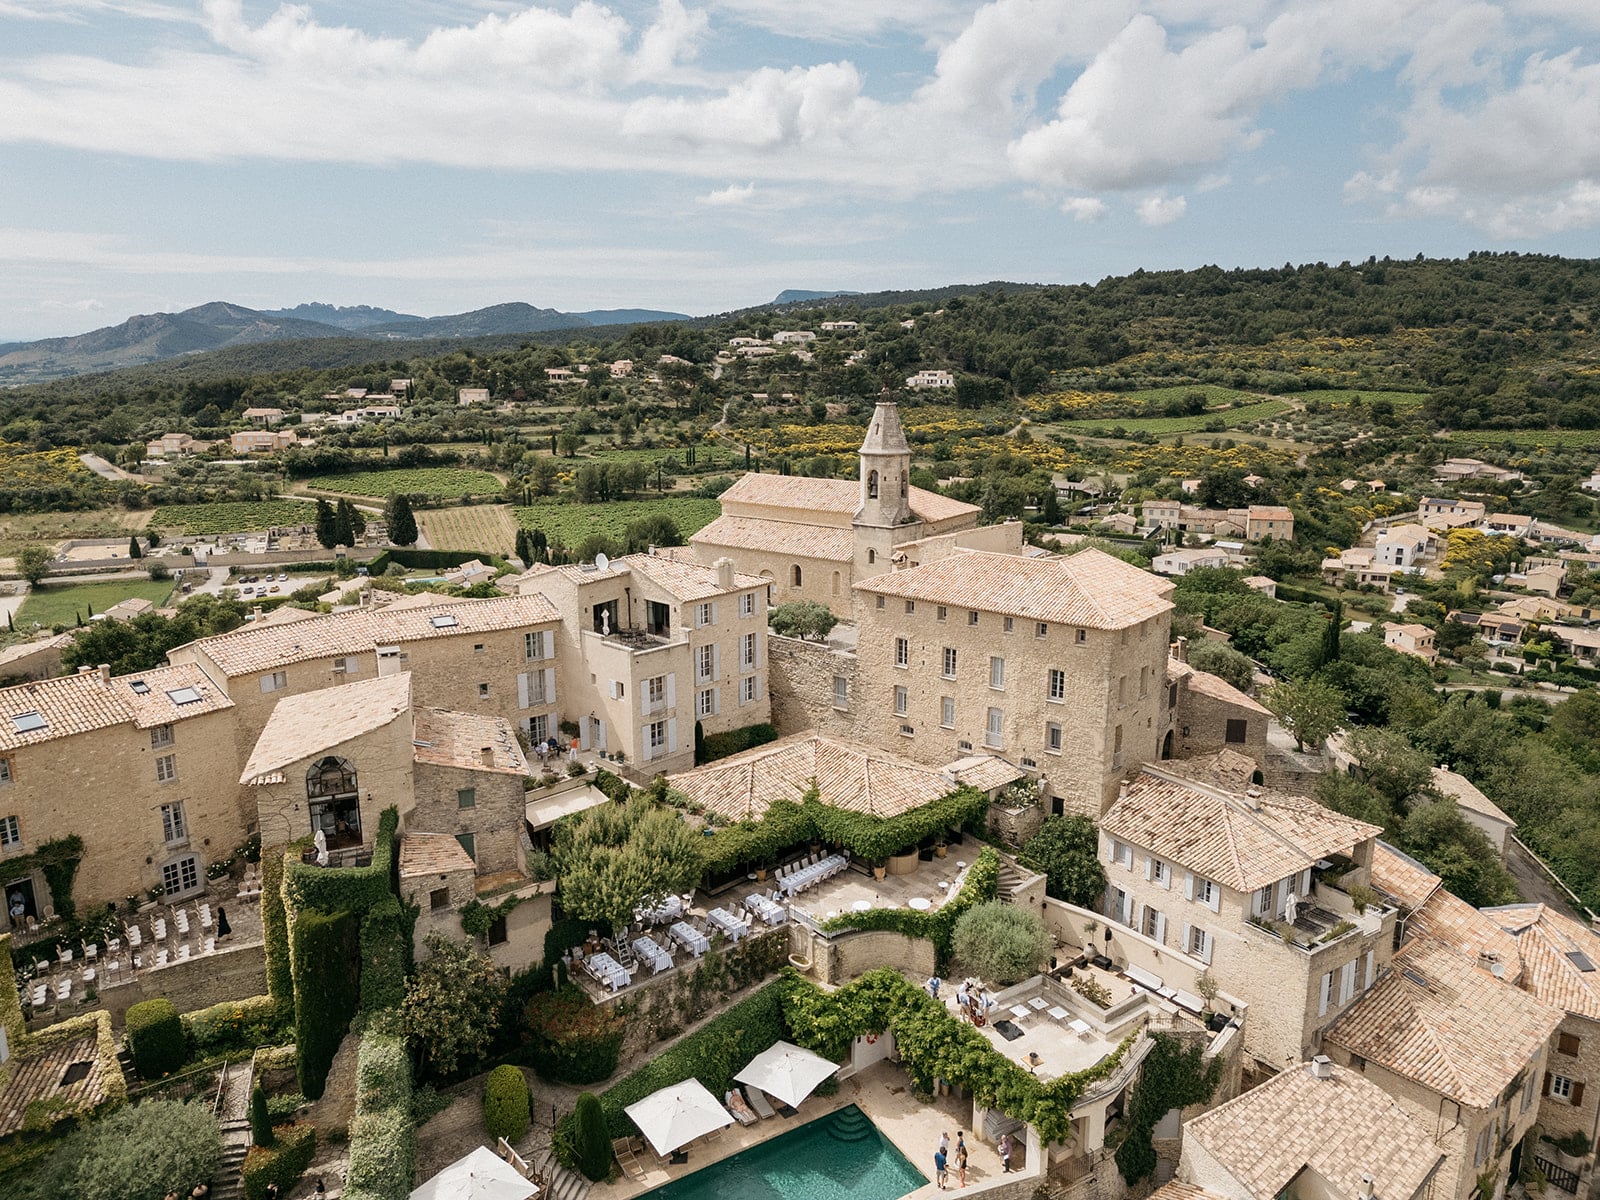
pixel 457 739
pixel 432 854
pixel 1401 877
pixel 31 713
pixel 839 496
pixel 1177 1189
pixel 685 579
pixel 38 1076
pixel 1340 1128
pixel 1460 789
pixel 1241 841
pixel 1435 1018
pixel 986 772
pixel 256 648
pixel 312 722
pixel 1269 512
pixel 24 650
pixel 1090 588
pixel 848 776
pixel 1548 940
pixel 1217 688
pixel 1447 918
pixel 778 537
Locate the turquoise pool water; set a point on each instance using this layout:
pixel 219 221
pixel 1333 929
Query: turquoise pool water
pixel 838 1157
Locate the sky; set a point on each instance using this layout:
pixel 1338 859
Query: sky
pixel 436 156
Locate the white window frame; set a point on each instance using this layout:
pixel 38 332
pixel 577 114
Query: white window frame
pixel 949 662
pixel 972 616
pixel 1054 737
pixel 174 826
pixel 841 693
pixel 747 652
pixel 705 702
pixel 10 831
pixel 902 652
pixel 997 673
pixel 1056 686
pixel 747 604
pixel 274 681
pixel 174 871
pixel 539 727
pixel 1121 854
pixel 5 771
pixel 160 737
pixel 942 613
pixel 166 768
pixel 702 615
pixel 1158 872
pixel 655 734
pixel 1198 942
pixel 1010 624
pixel 705 662
pixel 747 690
pixel 1041 629
pixel 902 700
pixel 1153 924
pixel 947 712
pixel 1202 891
pixel 1347 983
pixel 1561 1087
pixel 994 729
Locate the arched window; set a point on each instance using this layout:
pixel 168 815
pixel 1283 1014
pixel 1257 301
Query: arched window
pixel 331 776
pixel 872 485
pixel 904 486
pixel 872 555
pixel 794 576
pixel 333 801
pixel 836 583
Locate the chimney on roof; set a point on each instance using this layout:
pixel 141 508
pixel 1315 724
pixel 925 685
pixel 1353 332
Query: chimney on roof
pixel 105 672
pixel 486 755
pixel 1180 649
pixel 724 570
pixel 1366 1186
pixel 84 670
pixel 1322 1067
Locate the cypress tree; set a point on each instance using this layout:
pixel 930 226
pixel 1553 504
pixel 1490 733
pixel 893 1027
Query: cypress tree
pixel 1330 635
pixel 402 521
pixel 326 535
pixel 133 548
pixel 344 533
pixel 260 1119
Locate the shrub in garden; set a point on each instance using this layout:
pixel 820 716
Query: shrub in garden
pixel 233 1025
pixel 155 1038
pixel 505 1103
pixel 591 1140
pixel 139 1153
pixel 281 1163
pixel 383 1142
pixel 260 1119
pixel 571 1039
pixel 325 992
pixel 1000 942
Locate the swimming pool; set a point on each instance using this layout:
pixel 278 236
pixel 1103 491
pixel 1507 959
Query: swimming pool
pixel 838 1157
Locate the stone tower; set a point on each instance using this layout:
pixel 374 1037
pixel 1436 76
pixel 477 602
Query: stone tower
pixel 884 518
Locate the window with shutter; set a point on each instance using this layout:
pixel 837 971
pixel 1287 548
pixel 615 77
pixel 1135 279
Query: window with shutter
pixel 1326 995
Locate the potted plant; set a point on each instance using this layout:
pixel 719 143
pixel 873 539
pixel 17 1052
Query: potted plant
pixel 880 869
pixel 1571 1149
pixel 939 848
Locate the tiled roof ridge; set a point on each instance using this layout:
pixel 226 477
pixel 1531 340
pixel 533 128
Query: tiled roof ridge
pixel 1438 882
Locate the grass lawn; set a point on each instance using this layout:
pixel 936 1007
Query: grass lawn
pixel 235 516
pixel 1525 438
pixel 571 523
pixel 431 481
pixel 52 606
pixel 1231 418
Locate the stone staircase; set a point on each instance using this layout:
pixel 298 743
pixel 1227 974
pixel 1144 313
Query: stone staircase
pixel 226 1184
pixel 1009 879
pixel 560 1183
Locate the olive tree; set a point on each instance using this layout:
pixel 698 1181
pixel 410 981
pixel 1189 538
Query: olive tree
pixel 999 942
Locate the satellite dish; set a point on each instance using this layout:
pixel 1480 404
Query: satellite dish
pixel 601 562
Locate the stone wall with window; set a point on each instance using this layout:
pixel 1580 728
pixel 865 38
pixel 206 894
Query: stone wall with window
pixel 151 805
pixel 1570 1086
pixel 483 809
pixel 381 760
pixel 813 686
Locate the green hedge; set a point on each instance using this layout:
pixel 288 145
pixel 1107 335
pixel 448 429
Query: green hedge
pixel 155 1038
pixel 430 560
pixel 234 1025
pixel 281 1163
pixel 721 745
pixel 383 1142
pixel 590 1143
pixel 613 787
pixel 275 933
pixel 933 1044
pixel 345 889
pixel 571 1039
pixel 325 992
pixel 385 955
pixel 711 1054
pixel 757 843
pixel 505 1103
pixel 981 885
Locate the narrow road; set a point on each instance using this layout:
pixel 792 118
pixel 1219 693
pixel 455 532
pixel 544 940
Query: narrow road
pixel 1535 885
pixel 107 470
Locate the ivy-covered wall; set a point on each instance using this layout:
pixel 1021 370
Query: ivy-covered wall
pixel 326 967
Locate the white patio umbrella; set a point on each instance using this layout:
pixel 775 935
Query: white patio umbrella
pixel 676 1115
pixel 481 1175
pixel 786 1072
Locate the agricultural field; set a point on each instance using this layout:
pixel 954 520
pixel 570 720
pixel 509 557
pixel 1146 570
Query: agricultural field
pixel 47 529
pixel 52 606
pixel 482 528
pixel 239 516
pixel 1216 395
pixel 427 481
pixel 1339 397
pixel 1525 439
pixel 570 524
pixel 1232 418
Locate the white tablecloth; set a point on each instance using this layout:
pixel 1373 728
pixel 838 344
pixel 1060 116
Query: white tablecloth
pixel 727 922
pixel 607 969
pixel 649 952
pixel 669 909
pixel 690 938
pixel 772 914
pixel 800 880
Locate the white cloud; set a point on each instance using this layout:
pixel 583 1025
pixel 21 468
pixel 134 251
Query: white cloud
pixel 1161 210
pixel 83 306
pixel 1085 208
pixel 830 21
pixel 735 195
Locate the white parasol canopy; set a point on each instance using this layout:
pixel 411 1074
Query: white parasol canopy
pixel 786 1072
pixel 481 1175
pixel 676 1115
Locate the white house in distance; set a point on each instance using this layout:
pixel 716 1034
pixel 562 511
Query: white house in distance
pixel 1410 638
pixel 1475 806
pixel 1181 562
pixel 930 379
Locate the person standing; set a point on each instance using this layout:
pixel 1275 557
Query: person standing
pixel 940 1168
pixel 1005 1153
pixel 933 986
pixel 223 928
pixel 961 1163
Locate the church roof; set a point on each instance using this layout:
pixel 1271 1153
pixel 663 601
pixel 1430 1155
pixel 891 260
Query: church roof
pixel 813 501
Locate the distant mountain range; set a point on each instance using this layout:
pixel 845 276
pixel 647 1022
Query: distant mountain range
pixel 801 296
pixel 155 337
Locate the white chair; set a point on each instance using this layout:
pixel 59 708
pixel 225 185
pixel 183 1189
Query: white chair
pixel 135 938
pixel 114 968
pixel 183 951
pixel 88 976
pixel 211 944
pixel 114 945
pixel 41 994
pixel 91 951
pixel 181 918
pixel 40 967
pixel 65 955
pixel 64 989
pixel 205 916
pixel 161 957
pixel 159 929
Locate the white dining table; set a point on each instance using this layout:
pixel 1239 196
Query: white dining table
pixel 648 951
pixel 690 938
pixel 607 969
pixel 728 923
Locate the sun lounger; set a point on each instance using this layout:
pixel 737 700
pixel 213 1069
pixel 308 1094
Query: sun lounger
pixel 738 1109
pixel 627 1158
pixel 758 1101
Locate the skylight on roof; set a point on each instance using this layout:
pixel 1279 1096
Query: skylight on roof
pixel 27 722
pixel 140 687
pixel 1580 960
pixel 443 621
pixel 184 695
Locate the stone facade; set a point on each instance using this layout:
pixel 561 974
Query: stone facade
pixel 1102 713
pixel 650 646
pixel 805 686
pixel 1574 1057
pixel 381 761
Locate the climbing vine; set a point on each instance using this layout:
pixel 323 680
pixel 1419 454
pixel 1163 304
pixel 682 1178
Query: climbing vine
pixel 478 918
pixel 58 859
pixel 1175 1075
